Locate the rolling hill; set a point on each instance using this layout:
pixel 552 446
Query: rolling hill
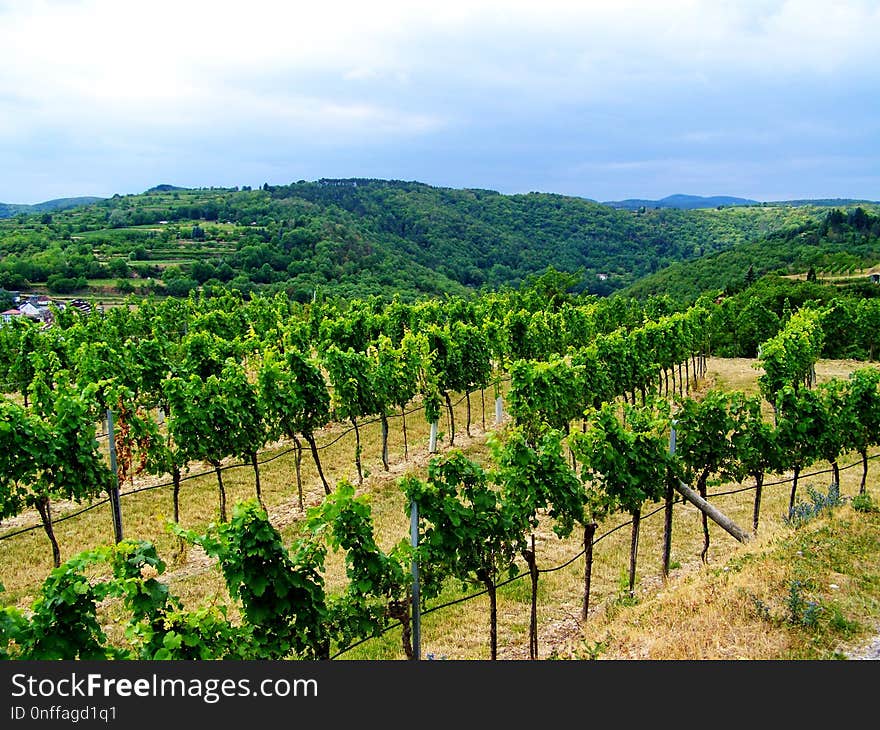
pixel 836 244
pixel 362 237
pixel 7 210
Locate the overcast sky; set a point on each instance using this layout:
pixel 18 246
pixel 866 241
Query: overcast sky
pixel 768 100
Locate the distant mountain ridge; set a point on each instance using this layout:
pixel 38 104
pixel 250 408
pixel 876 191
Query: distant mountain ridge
pixel 683 202
pixel 361 237
pixel 8 210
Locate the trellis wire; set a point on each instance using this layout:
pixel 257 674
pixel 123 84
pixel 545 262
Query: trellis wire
pixel 452 602
pixel 225 467
pixel 523 574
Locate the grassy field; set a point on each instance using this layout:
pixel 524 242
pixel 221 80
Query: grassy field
pixel 743 603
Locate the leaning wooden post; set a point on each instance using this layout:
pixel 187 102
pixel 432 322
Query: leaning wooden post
pixel 712 512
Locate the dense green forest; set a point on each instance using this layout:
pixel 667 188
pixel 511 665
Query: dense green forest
pixel 360 238
pixel 834 246
pixel 7 210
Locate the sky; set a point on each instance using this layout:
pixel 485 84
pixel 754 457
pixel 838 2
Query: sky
pixel 768 100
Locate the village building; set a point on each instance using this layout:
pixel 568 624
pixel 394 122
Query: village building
pixel 37 307
pixel 81 305
pixel 9 315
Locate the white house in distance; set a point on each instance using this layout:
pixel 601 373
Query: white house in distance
pixel 35 307
pixel 29 309
pixel 9 315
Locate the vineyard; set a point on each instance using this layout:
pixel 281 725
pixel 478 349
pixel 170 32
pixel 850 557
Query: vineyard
pixel 517 460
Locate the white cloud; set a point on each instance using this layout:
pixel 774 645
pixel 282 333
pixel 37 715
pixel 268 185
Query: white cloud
pixel 356 74
pixel 105 51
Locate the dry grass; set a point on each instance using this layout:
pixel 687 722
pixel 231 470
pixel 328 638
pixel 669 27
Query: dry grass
pixel 743 609
pixel 700 613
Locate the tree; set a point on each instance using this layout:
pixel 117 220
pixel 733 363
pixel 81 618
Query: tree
pixel 840 331
pixel 862 415
pixel 180 286
pixel 625 454
pixel 296 401
pixel 868 325
pixel 378 587
pixel 64 460
pixel 754 442
pixel 466 530
pixel 755 323
pixel 800 429
pixel 355 394
pixel 550 287
pixel 118 268
pixel 535 478
pixel 704 445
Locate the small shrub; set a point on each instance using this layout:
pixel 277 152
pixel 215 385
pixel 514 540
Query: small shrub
pixel 863 503
pixel 624 597
pixel 801 612
pixel 805 511
pixel 589 650
pixel 841 624
pixel 761 608
pixel 592 649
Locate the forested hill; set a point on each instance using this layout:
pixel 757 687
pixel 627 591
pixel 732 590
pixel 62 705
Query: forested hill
pixel 7 210
pixel 358 237
pixel 479 237
pixel 836 246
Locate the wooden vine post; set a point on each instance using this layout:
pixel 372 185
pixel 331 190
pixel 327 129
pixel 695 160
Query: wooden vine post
pixel 416 635
pixel 115 506
pixel 589 534
pixel 667 511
